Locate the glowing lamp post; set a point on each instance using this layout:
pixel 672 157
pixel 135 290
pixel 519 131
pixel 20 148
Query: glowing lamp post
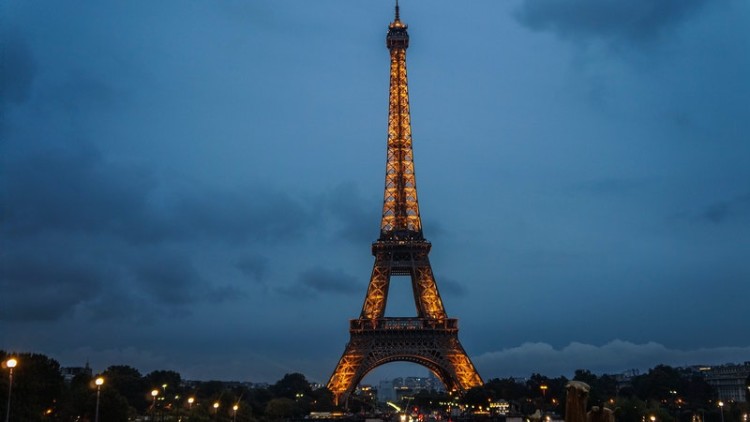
pixel 99 381
pixel 234 412
pixel 154 393
pixel 10 364
pixel 721 410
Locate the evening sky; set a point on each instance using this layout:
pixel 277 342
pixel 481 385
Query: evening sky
pixel 195 185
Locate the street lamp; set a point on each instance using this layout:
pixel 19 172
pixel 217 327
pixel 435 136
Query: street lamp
pixel 544 387
pixel 721 410
pixel 234 412
pixel 154 393
pixel 10 364
pixel 99 381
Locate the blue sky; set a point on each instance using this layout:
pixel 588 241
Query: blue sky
pixel 195 186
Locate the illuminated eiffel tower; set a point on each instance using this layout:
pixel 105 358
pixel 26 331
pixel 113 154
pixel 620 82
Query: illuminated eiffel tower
pixel 431 338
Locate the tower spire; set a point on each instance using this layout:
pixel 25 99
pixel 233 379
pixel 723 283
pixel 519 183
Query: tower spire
pixel 400 206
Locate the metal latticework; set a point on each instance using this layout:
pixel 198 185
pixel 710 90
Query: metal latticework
pixel 400 205
pixel 431 338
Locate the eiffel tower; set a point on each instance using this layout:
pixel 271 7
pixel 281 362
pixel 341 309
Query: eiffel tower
pixel 431 338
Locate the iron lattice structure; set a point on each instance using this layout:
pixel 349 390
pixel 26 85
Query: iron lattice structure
pixel 431 338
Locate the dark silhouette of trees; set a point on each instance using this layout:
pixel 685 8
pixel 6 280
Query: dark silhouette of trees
pixel 291 385
pixel 478 396
pixel 128 382
pixel 38 387
pixel 322 400
pixel 658 383
pixel 603 388
pixel 508 389
pixel 158 379
pixel 40 394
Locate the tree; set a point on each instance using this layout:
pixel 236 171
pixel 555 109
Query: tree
pixel 127 382
pixel 169 385
pixel 630 409
pixel 478 396
pixel 282 408
pixel 508 389
pixel 114 407
pixel 77 402
pixel 257 399
pixel 37 387
pixel 157 379
pixel 658 383
pixel 603 389
pixel 322 400
pixel 697 392
pixel 291 385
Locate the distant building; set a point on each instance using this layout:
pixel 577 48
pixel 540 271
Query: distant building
pixel 499 407
pixel 730 380
pixel 71 372
pixel 386 391
pixel 624 379
pixel 393 390
pixel 317 385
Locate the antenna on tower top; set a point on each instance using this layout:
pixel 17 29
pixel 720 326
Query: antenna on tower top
pixel 397 17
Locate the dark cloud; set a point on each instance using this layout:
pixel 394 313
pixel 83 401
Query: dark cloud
pixel 633 21
pixel 75 190
pixel 254 266
pixel 169 279
pixel 722 211
pixel 353 218
pixel 259 214
pixel 451 287
pixel 321 280
pixel 114 231
pixel 43 285
pixel 119 302
pixel 19 69
pixel 81 91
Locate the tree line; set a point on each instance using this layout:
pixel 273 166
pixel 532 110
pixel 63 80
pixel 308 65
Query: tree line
pixel 663 394
pixel 40 393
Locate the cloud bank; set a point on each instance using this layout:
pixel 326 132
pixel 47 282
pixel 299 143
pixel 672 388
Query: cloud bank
pixel 636 21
